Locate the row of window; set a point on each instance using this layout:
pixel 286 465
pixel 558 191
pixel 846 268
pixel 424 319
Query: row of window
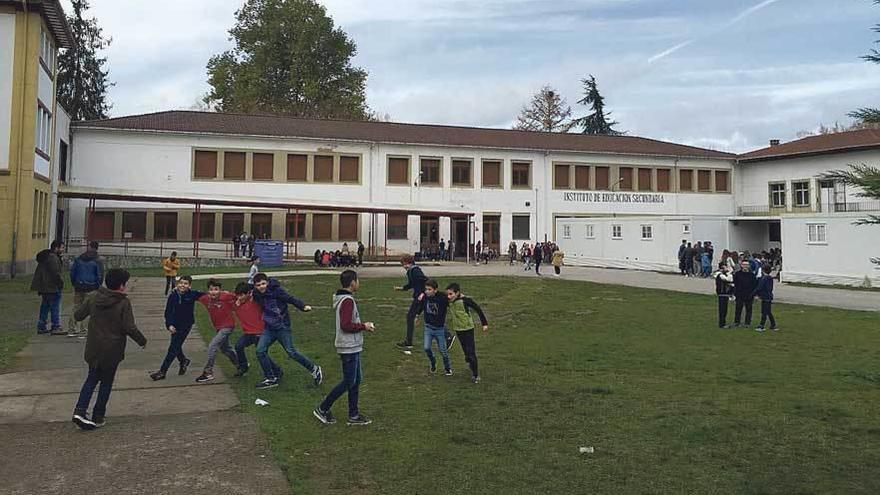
pixel 40 219
pixel 47 52
pixel 43 142
pixel 800 194
pixel 257 166
pixel 617 231
pixel 586 177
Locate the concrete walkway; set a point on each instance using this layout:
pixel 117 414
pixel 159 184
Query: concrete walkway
pixel 161 437
pixel 812 296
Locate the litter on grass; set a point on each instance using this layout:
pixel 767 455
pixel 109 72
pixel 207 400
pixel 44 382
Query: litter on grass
pixel 586 450
pixel 260 402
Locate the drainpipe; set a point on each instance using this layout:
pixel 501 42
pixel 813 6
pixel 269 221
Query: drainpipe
pixel 18 200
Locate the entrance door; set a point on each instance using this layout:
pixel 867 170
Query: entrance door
pixel 460 236
pixel 826 195
pixel 492 231
pixel 430 234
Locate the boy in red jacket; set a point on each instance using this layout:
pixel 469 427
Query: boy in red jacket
pixel 220 304
pixel 250 315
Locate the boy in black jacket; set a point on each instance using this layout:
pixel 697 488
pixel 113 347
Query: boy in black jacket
pixel 179 320
pixel 744 283
pixel 764 291
pixel 415 280
pixel 435 305
pixel 723 289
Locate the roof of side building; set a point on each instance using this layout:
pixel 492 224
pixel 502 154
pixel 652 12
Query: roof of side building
pixel 840 142
pixel 179 121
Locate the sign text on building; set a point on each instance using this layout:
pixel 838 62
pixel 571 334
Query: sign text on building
pixel 613 197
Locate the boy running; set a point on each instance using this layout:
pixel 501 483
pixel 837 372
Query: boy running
pixel 274 300
pixel 415 281
pixel 220 305
pixel 250 315
pixel 462 322
pixel 111 323
pixel 349 344
pixel 179 319
pixel 435 305
pixel 764 291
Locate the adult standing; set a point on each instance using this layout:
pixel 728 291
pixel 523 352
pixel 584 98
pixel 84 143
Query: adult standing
pixel 681 250
pixel 170 267
pixel 442 249
pixel 361 250
pixel 723 289
pixel 450 250
pixel 86 276
pixel 689 260
pixel 511 253
pixel 557 261
pixel 236 244
pixel 537 256
pixel 251 242
pixel 744 285
pixel 48 283
pixel 478 251
pixel 243 240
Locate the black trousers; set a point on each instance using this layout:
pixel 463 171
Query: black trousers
pixel 466 337
pixel 169 284
pixel 767 312
pixel 556 269
pixel 235 248
pixel 743 303
pixel 538 266
pixel 722 310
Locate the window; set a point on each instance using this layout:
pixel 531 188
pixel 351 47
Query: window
pixel 566 231
pixel 777 195
pixel 165 226
pixel 492 231
pixel 521 176
pixel 297 168
pixel 560 176
pixel 261 225
pixel 491 173
pixel 134 223
pixel 233 165
pixel 663 181
pixel 647 232
pixel 233 224
pixel 686 180
pixel 816 233
pixel 206 226
pixel 645 180
pixel 35 216
pixel 398 172
pixel 397 226
pixel 47 52
pixel 323 168
pixel 348 227
pixel 774 232
pixel 205 165
pixel 44 131
pixel 801 193
pixel 521 228
pixel 589 231
pixel 349 169
pixel 461 173
pixel 296 226
pixel 603 178
pixel 322 227
pixel 704 180
pixel 102 223
pixel 264 166
pixel 625 179
pixel 581 177
pixel 429 171
pixel 685 228
pixel 722 182
pixel 616 232
pixel 62 162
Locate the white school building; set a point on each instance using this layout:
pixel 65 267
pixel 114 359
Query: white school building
pixel 615 201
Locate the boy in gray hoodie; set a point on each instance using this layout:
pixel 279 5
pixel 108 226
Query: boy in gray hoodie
pixel 349 345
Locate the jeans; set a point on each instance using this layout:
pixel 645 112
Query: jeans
pixel 50 303
pixel 170 281
pixel 466 337
pixel 220 342
pixel 285 338
pixel 175 348
pixel 743 302
pixel 411 319
pixel 72 324
pixel 105 377
pixel 352 376
pixel 767 312
pixel 248 340
pixel 722 310
pixel 438 334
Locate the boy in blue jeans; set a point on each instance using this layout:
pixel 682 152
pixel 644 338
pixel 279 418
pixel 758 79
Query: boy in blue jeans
pixel 274 300
pixel 349 344
pixel 434 306
pixel 179 320
pixel 764 292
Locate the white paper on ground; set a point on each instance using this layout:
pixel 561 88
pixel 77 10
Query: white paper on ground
pixel 261 402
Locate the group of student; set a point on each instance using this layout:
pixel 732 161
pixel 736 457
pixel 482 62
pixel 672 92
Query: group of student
pixel 340 258
pixel 243 245
pixel 535 254
pixel 261 308
pixel 743 283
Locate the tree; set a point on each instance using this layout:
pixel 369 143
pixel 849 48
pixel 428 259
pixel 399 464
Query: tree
pixel 82 78
pixel 548 112
pixel 864 177
pixel 596 122
pixel 870 115
pixel 288 59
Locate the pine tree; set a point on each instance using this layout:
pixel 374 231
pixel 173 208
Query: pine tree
pixel 870 115
pixel 864 177
pixel 82 79
pixel 596 122
pixel 547 112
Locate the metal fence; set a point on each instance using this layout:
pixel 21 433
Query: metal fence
pixel 767 210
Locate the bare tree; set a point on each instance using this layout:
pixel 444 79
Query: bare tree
pixel 547 112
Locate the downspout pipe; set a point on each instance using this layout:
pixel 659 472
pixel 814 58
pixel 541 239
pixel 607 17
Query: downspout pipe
pixel 17 216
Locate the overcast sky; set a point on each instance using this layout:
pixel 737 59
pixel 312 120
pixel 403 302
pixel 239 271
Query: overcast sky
pixel 724 74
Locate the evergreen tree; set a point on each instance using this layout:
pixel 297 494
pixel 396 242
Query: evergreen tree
pixel 547 112
pixel 82 78
pixel 288 59
pixel 870 115
pixel 864 177
pixel 596 122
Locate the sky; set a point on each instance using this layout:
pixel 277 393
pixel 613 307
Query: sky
pixel 721 74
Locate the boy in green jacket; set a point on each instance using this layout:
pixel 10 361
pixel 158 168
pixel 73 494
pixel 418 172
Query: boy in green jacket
pixel 462 322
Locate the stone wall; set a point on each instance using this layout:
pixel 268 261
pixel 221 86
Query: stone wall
pixel 118 261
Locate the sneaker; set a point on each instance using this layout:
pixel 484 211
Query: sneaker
pixel 404 345
pixel 42 331
pixel 157 375
pixel 433 368
pixel 775 329
pixel 240 372
pixel 267 383
pixel 205 377
pixel 83 421
pixel 183 366
pixel 759 329
pixel 448 372
pixel 325 417
pixel 475 379
pixel 58 331
pixel 99 421
pixel 359 420
pixel 317 375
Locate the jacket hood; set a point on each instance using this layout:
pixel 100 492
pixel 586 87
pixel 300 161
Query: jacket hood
pixel 274 285
pixel 43 255
pixel 339 296
pixel 89 255
pixel 105 298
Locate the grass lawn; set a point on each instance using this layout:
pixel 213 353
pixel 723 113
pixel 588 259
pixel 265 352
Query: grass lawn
pixel 19 307
pixel 670 403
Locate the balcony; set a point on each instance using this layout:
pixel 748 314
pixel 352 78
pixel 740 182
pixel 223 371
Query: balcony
pixel 773 211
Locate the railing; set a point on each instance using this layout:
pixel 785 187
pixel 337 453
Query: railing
pixel 758 211
pixel 855 207
pixel 767 210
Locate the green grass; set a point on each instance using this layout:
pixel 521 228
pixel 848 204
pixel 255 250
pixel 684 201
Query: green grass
pixel 19 307
pixel 670 403
pixel 835 286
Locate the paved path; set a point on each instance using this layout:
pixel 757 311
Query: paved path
pixel 812 296
pixel 161 437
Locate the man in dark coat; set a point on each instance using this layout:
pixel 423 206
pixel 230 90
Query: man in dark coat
pixel 47 282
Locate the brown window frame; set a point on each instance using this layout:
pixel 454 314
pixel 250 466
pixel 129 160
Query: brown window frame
pixel 497 185
pixel 289 223
pixel 315 223
pixel 169 232
pixel 470 172
pixel 726 175
pixel 668 173
pixel 322 158
pixel 625 179
pixel 95 221
pixel 513 166
pixel 601 174
pixel 397 229
pixel 407 167
pixel 204 234
pixel 650 176
pixel 198 164
pixel 343 160
pixel 223 224
pixel 134 235
pixel 433 160
pixel 579 171
pixel 708 175
pixel 689 173
pixel 561 176
pixel 258 164
pixel 253 226
pixel 226 169
pixel 291 167
pixel 345 236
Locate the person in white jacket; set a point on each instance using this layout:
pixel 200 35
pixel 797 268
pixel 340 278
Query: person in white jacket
pixel 724 290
